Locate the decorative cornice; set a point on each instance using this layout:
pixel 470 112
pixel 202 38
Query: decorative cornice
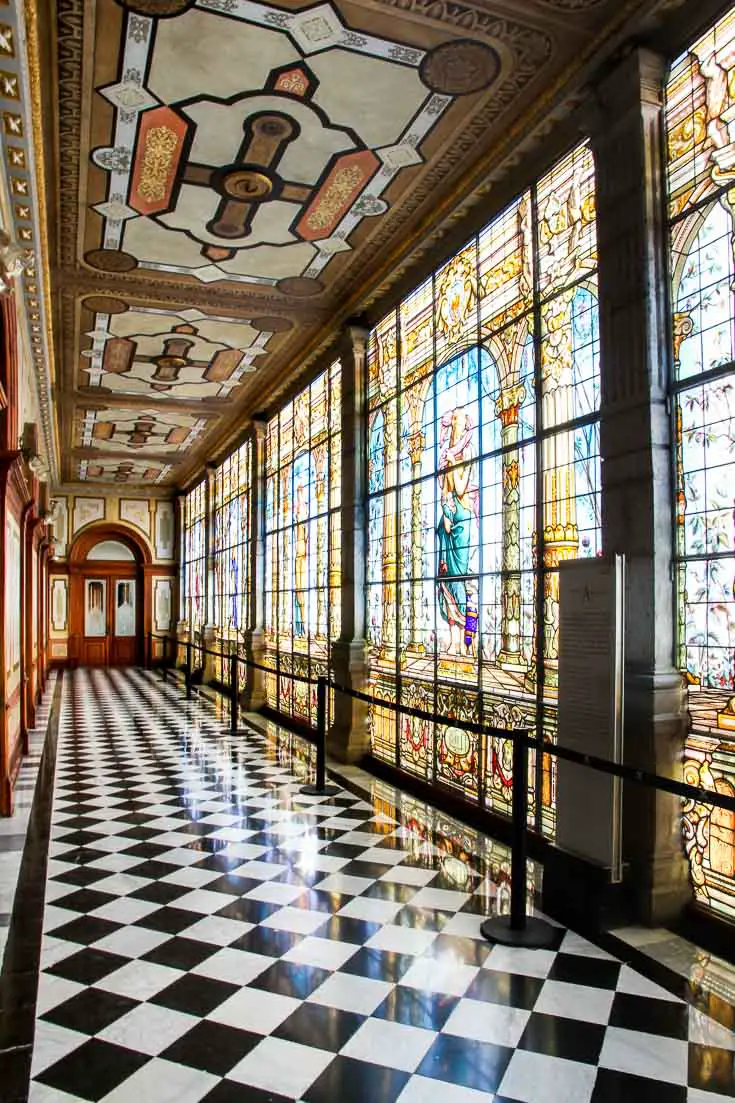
pixel 24 160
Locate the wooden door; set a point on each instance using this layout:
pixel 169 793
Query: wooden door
pixel 124 622
pixel 109 614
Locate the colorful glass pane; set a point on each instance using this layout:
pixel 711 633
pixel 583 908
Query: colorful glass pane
pixel 700 106
pixel 456 392
pixel 303 574
pixel 231 555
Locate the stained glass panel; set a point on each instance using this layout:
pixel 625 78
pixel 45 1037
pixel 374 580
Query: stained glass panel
pixel 231 555
pixel 303 573
pixel 193 565
pixel 460 378
pixel 700 106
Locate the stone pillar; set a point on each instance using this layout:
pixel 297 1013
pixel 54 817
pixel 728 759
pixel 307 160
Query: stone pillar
pixel 635 442
pixel 349 735
pixel 209 629
pixel 253 695
pixel 507 409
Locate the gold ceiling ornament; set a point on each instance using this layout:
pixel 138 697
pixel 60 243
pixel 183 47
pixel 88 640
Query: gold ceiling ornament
pixel 34 80
pixel 13 262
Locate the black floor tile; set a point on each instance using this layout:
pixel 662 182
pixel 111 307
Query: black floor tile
pixel 90 1011
pixel 650 1016
pixel 85 900
pixel 510 989
pixel 477 1065
pixel 567 1038
pixel 320 1027
pixel 93 1070
pixel 622 1087
pixel 87 966
pixel 357 1082
pixel 160 892
pixel 195 995
pixel 379 964
pixel 342 928
pixel 266 940
pixel 85 930
pixel 181 953
pixel 411 1006
pixel 171 920
pixel 248 911
pixel 290 979
pixel 212 1047
pixel 579 969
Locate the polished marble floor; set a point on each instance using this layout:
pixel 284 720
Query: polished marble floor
pixel 211 934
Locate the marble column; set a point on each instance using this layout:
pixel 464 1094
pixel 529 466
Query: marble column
pixel 635 443
pixel 253 695
pixel 209 629
pixel 349 735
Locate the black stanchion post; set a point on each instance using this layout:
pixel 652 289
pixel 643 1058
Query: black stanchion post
pixel 148 648
pixel 164 659
pixel 188 669
pixel 519 929
pixel 233 691
pixel 320 788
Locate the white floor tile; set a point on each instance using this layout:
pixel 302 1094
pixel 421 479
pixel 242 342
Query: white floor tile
pixel 282 1067
pixel 487 1022
pixel 536 1078
pixel 394 1045
pixel 251 1009
pixel 645 1055
pixel 351 993
pixel 402 940
pixel 148 1028
pixel 371 910
pixel 298 920
pixel 139 980
pixel 233 966
pixel 575 1001
pixel 528 963
pixel 164 1082
pixel 323 953
pixel 440 975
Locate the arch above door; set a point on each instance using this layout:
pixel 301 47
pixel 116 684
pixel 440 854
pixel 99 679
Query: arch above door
pixel 109 599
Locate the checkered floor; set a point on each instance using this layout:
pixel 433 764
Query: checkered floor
pixel 212 935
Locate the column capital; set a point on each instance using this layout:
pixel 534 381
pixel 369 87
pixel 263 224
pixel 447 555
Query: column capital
pixel 258 426
pixel 356 335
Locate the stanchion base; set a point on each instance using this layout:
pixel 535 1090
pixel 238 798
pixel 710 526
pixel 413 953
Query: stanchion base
pixel 316 791
pixel 536 934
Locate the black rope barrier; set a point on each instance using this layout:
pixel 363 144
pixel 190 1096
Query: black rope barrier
pixel 517 928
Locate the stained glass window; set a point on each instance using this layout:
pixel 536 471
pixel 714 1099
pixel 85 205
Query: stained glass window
pixel 194 560
pixel 231 550
pixel 303 575
pixel 483 475
pixel 700 108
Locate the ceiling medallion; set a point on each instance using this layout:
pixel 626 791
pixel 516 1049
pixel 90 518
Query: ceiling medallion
pixel 103 304
pixel 249 184
pixel 157 9
pixel 271 323
pixel 460 68
pixel 110 260
pixel 299 286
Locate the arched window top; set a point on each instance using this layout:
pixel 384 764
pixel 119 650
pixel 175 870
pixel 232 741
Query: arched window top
pixel 110 550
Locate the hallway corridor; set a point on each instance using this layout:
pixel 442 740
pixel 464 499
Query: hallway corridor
pixel 210 934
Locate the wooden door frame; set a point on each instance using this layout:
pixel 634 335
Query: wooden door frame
pixel 81 568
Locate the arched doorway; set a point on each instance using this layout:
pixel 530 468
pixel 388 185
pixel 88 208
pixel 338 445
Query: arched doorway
pixel 106 565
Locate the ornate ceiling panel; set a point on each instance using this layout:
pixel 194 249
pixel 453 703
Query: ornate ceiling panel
pixel 235 175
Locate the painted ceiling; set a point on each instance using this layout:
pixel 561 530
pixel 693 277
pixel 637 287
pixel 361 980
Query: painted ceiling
pixel 235 177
